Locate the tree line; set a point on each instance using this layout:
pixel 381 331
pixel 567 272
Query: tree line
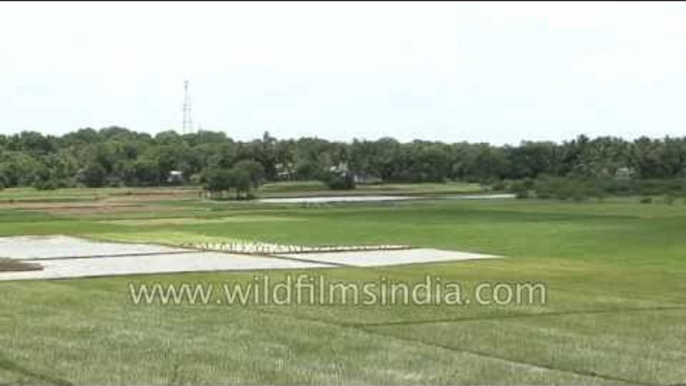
pixel 116 156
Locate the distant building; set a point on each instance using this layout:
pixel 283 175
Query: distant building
pixel 362 179
pixel 624 173
pixel 175 177
pixel 367 179
pixel 341 168
pixel 284 171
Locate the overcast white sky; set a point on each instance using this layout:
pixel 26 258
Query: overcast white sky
pixel 494 72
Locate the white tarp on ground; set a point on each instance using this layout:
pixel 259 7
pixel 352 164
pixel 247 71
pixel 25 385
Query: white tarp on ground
pixel 70 257
pixel 381 258
pixel 149 264
pixel 46 247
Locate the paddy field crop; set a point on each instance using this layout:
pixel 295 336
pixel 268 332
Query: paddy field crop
pixel 614 272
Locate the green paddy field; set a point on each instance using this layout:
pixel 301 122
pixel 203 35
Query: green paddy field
pixel 615 273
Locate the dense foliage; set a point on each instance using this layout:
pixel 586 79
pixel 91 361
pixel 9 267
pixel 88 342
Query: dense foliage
pixel 116 156
pixel 243 178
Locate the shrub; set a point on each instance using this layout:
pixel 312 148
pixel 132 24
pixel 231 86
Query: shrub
pixel 519 189
pixel 522 194
pixel 597 193
pixel 559 188
pixel 529 183
pixel 340 181
pixel 579 195
pixel 93 175
pixel 294 186
pixel 499 186
pixel 46 185
pixel 568 188
pixel 196 179
pixel 253 169
pixel 658 187
pixel 646 200
pixel 563 194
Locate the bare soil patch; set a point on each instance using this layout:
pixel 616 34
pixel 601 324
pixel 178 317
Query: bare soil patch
pixel 10 265
pixel 196 220
pixel 86 207
pixel 99 209
pixel 155 195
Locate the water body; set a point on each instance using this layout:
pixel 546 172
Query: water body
pixel 327 199
pixel 483 196
pixel 330 199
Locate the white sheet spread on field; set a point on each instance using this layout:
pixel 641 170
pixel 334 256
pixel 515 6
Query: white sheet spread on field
pixel 383 258
pixel 69 257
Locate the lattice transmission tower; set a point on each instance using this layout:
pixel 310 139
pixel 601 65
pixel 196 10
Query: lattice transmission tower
pixel 187 125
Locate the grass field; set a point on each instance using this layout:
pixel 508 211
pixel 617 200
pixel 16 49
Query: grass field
pixel 311 188
pixel 615 274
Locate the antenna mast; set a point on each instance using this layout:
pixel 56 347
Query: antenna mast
pixel 187 125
